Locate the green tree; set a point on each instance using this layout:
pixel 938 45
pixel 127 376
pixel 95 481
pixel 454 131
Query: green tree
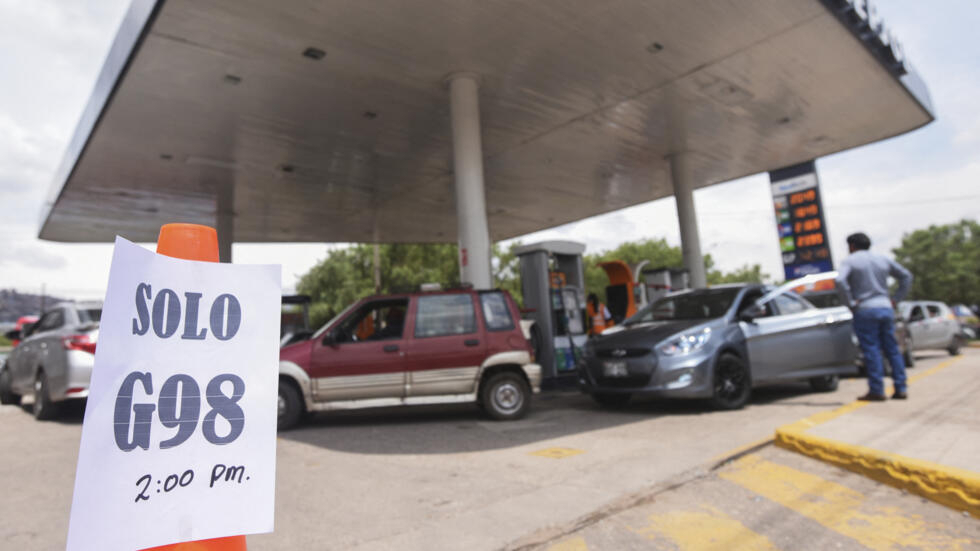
pixel 656 251
pixel 507 270
pixel 660 255
pixel 944 261
pixel 347 275
pixel 745 274
pixel 344 276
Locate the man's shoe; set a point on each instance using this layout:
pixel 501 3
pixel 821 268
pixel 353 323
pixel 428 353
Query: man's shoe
pixel 872 397
pixel 900 396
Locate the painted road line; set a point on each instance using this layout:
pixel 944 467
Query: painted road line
pixel 934 369
pixel 557 453
pixel 823 417
pixel 840 508
pixel 706 530
pixel 949 486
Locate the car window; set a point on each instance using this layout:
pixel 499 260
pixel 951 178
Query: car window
pixel 934 311
pixel 692 305
pixel 52 320
pixel 823 299
pixel 441 315
pixel 89 315
pixel 789 304
pixel 495 312
pixel 375 321
pixel 916 314
pixel 749 299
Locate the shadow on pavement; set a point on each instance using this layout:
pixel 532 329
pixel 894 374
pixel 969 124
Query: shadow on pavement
pixel 71 412
pixel 464 428
pixel 930 355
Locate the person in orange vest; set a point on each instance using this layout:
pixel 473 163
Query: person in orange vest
pixel 599 316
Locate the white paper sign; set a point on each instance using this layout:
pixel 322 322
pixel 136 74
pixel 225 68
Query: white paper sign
pixel 179 438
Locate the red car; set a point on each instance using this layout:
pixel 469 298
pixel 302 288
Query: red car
pixel 19 328
pixel 417 348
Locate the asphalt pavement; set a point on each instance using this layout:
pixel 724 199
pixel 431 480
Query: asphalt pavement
pixel 448 478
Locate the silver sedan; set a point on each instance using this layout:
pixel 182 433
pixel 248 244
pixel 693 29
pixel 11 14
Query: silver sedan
pixel 719 343
pixel 54 359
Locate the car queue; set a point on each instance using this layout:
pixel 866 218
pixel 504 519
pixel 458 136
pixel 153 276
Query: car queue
pixel 466 346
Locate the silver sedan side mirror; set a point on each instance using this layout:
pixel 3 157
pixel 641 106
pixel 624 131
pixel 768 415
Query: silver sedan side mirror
pixel 752 312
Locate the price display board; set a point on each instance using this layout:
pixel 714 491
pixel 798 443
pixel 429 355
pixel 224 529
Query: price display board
pixel 179 437
pixel 800 222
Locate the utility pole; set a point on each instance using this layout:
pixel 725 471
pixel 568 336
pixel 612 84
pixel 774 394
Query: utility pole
pixel 43 299
pixel 377 269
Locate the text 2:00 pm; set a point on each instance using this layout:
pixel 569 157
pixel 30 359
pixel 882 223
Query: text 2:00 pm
pixel 219 473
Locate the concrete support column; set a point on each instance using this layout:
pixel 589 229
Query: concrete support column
pixel 680 173
pixel 471 207
pixel 225 221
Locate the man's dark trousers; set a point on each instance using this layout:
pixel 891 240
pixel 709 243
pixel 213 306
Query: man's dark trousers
pixel 875 329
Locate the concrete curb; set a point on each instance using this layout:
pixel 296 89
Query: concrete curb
pixel 949 486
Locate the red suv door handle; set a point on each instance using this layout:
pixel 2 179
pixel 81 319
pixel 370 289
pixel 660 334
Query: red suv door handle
pixel 390 348
pixel 471 342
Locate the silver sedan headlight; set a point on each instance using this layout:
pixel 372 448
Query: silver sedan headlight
pixel 685 343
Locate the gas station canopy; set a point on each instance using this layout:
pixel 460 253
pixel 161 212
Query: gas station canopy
pixel 330 120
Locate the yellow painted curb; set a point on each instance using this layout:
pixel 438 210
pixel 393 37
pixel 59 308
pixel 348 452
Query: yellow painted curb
pixel 949 486
pixel 952 487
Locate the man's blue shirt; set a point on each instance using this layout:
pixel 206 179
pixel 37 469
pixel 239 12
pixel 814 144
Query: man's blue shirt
pixel 863 280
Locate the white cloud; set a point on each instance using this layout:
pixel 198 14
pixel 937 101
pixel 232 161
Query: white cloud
pixel 34 258
pixel 968 133
pixel 887 209
pixel 25 155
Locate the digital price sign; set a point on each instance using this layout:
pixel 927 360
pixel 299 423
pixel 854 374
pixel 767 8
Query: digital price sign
pixel 800 222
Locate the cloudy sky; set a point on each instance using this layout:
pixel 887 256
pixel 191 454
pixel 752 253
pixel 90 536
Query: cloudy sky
pixel 52 50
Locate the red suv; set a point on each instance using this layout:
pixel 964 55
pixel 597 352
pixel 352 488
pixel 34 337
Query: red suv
pixel 418 348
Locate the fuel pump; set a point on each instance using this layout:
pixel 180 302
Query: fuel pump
pixel 657 282
pixel 630 289
pixel 553 284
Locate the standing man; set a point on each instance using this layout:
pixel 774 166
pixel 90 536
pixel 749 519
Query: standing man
pixel 864 287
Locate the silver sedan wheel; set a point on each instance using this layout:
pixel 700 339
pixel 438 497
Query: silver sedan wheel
pixel 38 400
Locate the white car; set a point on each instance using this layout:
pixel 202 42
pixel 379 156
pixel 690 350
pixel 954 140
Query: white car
pixel 931 325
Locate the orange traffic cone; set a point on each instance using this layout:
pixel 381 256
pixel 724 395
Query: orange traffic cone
pixel 188 241
pixel 194 242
